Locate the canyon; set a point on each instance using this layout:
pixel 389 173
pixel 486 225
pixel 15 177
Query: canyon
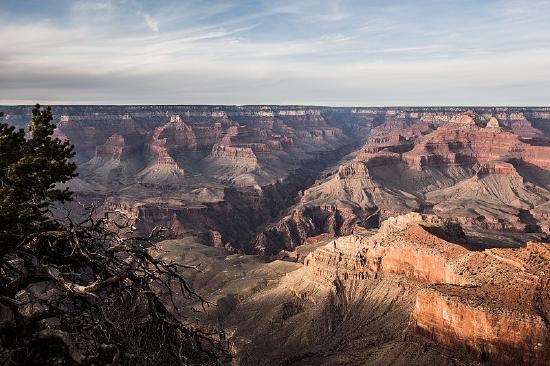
pixel 199 170
pixel 411 235
pixel 286 174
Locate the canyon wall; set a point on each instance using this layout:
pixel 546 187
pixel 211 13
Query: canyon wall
pixel 494 303
pixel 488 168
pixel 183 166
pixel 444 187
pixel 416 291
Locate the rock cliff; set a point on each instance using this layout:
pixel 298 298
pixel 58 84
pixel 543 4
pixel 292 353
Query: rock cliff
pixel 412 292
pixel 494 303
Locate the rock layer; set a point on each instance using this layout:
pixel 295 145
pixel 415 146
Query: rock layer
pixel 478 166
pixel 180 162
pixel 495 303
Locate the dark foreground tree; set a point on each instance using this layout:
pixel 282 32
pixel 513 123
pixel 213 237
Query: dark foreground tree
pixel 86 291
pixel 29 171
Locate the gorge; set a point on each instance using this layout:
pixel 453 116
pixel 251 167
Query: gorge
pixel 406 235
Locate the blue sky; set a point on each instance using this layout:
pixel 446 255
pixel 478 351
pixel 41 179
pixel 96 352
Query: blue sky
pixel 333 52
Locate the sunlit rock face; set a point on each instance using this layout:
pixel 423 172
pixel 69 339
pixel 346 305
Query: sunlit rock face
pixel 456 145
pixel 504 318
pixel 494 303
pixel 417 290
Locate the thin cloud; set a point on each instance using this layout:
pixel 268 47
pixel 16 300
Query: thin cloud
pixel 151 22
pixel 86 6
pixel 333 52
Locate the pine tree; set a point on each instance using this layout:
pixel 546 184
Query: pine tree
pixel 30 170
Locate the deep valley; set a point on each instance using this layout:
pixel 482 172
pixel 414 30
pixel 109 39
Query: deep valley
pixel 344 236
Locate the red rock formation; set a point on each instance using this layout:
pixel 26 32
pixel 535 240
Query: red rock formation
pixel 162 170
pixel 495 303
pixel 492 123
pixel 353 170
pixel 157 149
pixel 295 228
pixel 401 246
pixel 232 155
pixel 459 318
pixel 498 167
pixel 179 136
pixel 112 148
pixel 456 144
pixel 207 136
pixel 214 239
pixel 86 132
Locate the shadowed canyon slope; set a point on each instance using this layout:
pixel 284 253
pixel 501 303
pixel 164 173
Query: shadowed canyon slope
pixel 409 294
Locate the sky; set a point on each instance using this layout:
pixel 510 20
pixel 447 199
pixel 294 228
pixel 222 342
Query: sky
pixel 315 52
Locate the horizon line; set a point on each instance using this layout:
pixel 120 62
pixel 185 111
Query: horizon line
pixel 280 105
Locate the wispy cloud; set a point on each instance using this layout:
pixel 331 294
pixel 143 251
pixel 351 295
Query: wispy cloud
pixel 151 22
pixel 87 6
pixel 329 52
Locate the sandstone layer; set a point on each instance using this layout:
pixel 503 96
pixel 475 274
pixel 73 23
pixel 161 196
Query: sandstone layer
pixel 494 303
